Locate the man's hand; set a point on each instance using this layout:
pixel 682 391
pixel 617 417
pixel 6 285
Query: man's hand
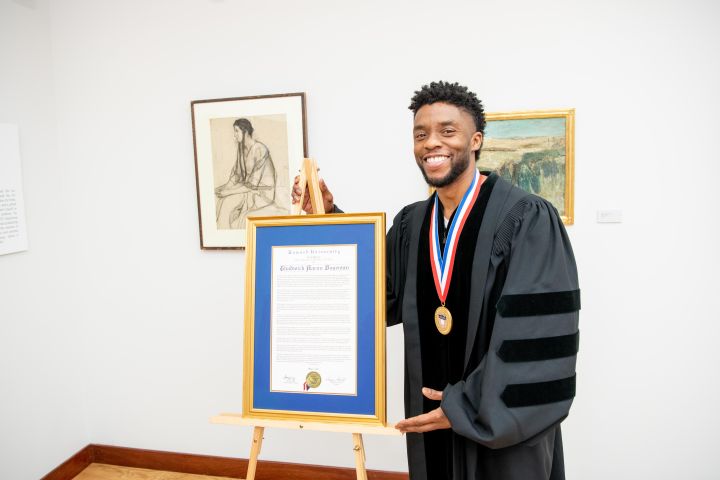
pixel 433 420
pixel 307 206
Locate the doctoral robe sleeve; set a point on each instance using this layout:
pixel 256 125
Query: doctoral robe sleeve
pixel 397 246
pixel 526 381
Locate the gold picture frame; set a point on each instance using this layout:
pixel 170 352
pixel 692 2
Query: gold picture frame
pixel 308 235
pixel 534 150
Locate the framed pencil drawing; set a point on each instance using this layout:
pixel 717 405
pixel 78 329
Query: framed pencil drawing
pixel 247 150
pixel 534 150
pixel 315 319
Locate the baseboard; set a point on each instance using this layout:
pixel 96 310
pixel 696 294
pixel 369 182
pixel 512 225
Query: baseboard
pixel 204 465
pixel 73 465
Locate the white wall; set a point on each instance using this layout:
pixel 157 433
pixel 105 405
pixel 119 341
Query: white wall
pixel 42 398
pixel 161 321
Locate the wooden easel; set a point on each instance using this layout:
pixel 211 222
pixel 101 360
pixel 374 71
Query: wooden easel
pixel 309 178
pixel 259 429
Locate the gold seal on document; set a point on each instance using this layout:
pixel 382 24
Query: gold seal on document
pixel 443 320
pixel 313 379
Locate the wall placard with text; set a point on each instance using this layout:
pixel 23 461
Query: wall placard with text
pixel 13 229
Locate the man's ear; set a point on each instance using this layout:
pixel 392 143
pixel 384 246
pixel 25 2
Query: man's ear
pixel 476 141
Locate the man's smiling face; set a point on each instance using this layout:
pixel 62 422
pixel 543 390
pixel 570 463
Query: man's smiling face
pixel 445 140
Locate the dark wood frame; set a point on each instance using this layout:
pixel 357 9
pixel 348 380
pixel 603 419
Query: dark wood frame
pixel 233 99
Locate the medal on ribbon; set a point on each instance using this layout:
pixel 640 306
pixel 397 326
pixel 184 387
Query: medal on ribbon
pixel 442 261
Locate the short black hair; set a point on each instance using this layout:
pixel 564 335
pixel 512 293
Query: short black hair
pixel 244 125
pixel 454 94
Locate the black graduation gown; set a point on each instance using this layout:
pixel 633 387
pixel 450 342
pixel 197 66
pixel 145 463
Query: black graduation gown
pixel 521 342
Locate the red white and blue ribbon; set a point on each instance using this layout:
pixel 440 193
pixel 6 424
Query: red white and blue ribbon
pixel 442 262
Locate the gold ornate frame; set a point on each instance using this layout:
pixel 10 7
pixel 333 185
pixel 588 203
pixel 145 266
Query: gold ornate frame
pixel 569 115
pixel 248 411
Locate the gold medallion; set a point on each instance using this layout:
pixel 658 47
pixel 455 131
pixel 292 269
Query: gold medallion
pixel 313 379
pixel 443 320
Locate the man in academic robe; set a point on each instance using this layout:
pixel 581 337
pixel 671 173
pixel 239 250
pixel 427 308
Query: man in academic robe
pixel 482 276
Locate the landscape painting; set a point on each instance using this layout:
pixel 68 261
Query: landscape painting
pixel 534 151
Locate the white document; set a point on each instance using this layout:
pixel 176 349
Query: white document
pixel 314 319
pixel 13 233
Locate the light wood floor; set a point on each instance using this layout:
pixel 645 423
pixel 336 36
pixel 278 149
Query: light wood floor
pixel 99 471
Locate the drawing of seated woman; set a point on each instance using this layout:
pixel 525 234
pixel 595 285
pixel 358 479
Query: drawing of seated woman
pixel 252 181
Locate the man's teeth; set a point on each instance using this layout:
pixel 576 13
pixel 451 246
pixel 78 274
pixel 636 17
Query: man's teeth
pixel 435 160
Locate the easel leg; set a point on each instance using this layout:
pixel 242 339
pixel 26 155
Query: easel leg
pixel 254 452
pixel 359 449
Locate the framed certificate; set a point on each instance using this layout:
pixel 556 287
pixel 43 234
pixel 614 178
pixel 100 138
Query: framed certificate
pixel 315 318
